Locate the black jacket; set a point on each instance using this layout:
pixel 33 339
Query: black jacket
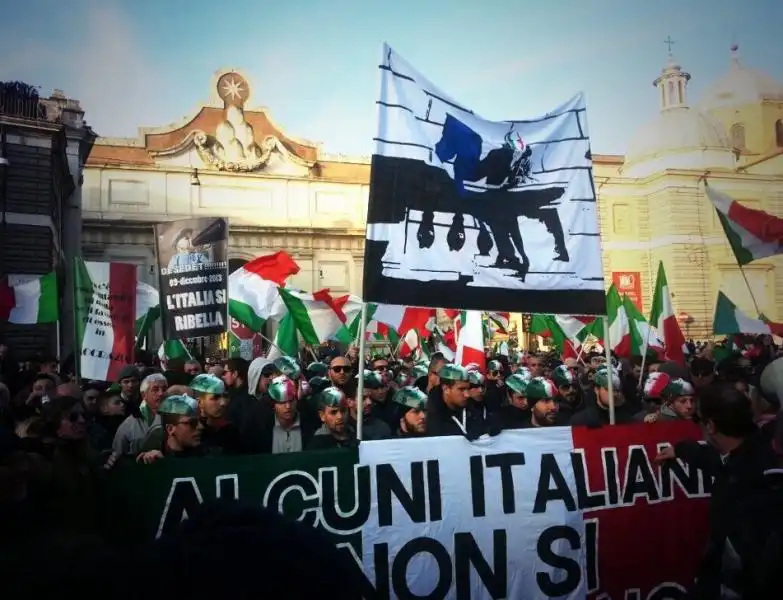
pixel 745 547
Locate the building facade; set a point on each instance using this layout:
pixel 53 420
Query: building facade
pixel 44 143
pixel 282 192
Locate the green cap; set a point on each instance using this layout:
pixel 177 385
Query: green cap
pixel 288 366
pixel 114 388
pixel 206 383
pixel 411 397
pixel 541 388
pixel 317 368
pixel 601 378
pixel 517 384
pixel 179 405
pixel 419 371
pixel 453 373
pixel 563 376
pixel 373 380
pixel 495 365
pixel 476 379
pixel 402 379
pixel 525 373
pixel 679 387
pixel 331 396
pixel 282 389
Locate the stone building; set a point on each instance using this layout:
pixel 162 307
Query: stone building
pixel 44 143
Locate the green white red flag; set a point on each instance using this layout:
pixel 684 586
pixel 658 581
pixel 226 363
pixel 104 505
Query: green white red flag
pixel 470 340
pixel 105 317
pixel 730 320
pixel 664 320
pixel 748 230
pixel 29 299
pixel 252 289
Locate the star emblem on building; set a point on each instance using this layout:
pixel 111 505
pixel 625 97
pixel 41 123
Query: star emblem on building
pixel 233 89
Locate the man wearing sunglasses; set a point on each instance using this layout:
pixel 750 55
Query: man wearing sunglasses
pixel 181 429
pixel 340 371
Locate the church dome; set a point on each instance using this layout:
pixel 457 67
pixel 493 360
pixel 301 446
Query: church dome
pixel 679 137
pixel 740 85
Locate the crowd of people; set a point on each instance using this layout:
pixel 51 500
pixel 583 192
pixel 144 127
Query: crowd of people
pixel 59 438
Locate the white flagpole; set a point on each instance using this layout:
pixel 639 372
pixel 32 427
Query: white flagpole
pixel 360 374
pixel 610 369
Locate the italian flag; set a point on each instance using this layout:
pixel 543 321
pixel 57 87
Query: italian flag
pixel 409 343
pixel 252 289
pixel 620 339
pixel 747 229
pixel 379 332
pixel 286 342
pixel 318 317
pixel 105 317
pixel 29 299
pixel 501 320
pixel 470 341
pixel 730 320
pixel 568 332
pixel 147 309
pixel 404 318
pixel 662 317
pixel 173 349
pixel 644 337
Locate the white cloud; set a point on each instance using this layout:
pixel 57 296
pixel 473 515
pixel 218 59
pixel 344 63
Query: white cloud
pixel 96 58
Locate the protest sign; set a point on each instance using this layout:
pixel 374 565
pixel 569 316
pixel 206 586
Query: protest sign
pixel 556 512
pixel 193 275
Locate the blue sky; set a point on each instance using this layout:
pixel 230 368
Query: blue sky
pixel 313 63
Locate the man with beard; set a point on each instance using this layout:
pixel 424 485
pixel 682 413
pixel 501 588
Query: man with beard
pixel 569 397
pixel 541 395
pixel 596 413
pixel 516 414
pixel 334 432
pixel 413 403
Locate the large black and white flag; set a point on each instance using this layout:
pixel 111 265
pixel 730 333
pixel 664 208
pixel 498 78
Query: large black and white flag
pixel 476 214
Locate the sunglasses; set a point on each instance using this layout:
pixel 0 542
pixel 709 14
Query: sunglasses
pixel 495 373
pixel 92 397
pixel 342 369
pixel 192 422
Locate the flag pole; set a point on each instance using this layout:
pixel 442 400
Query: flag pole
pixel 644 354
pixel 610 369
pixel 75 293
pixel 750 291
pixel 360 374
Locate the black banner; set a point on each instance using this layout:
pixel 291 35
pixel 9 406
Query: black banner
pixel 193 270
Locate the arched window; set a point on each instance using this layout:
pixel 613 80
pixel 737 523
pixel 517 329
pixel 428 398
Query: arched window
pixel 779 133
pixel 737 136
pixel 672 94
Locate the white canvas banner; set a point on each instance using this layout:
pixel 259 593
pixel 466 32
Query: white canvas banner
pixel 478 214
pixel 491 526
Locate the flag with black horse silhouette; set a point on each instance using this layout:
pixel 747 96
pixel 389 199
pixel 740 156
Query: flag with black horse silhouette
pixel 476 214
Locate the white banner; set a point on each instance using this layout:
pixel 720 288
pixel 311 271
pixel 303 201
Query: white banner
pixel 475 520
